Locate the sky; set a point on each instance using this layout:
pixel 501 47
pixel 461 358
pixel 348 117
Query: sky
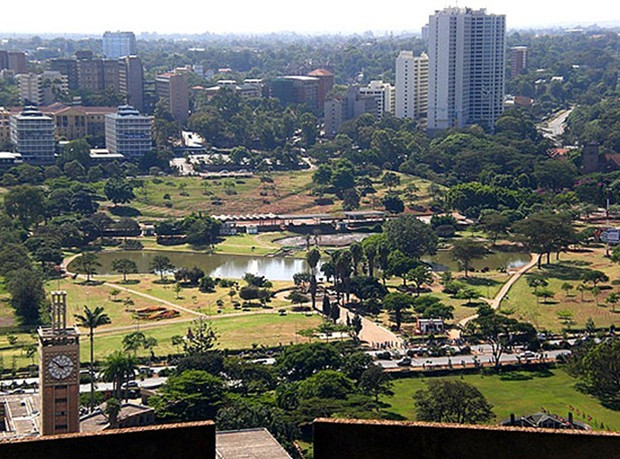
pixel 266 16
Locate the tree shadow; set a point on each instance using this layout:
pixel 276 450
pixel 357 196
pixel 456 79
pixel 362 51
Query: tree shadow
pixel 130 282
pixel 125 211
pixel 91 283
pixel 390 416
pixel 565 272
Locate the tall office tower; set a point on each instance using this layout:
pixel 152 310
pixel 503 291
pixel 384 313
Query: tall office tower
pixel 128 132
pixel 411 100
pixel 467 59
pixel 90 74
pixel 518 60
pixel 326 83
pixel 119 44
pixel 4 59
pixel 67 67
pixel 32 133
pixel 17 62
pixel 383 94
pixel 173 89
pixel 131 81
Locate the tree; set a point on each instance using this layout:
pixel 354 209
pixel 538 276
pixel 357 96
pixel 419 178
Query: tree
pixel 390 179
pixel 566 287
pixel 420 275
pixel 119 191
pixel 111 411
pixel 91 319
pixel 545 294
pixel 25 203
pixel 133 341
pixel 598 366
pixel 326 306
pixel 87 263
pixel 119 367
pixel 594 276
pixel 301 361
pixel 350 199
pixel 431 307
pixel 200 338
pixel 452 401
pixel 161 264
pixel 27 294
pixel 397 302
pixel 494 223
pixel 312 258
pixel 409 235
pixel 499 331
pixel 375 381
pixel 612 299
pixel 464 251
pixel 545 232
pixel 393 203
pixel 192 395
pixel 124 266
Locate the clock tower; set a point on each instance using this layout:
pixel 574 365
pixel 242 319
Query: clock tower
pixel 59 372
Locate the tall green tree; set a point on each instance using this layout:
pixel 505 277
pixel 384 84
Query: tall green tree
pixel 87 264
pixel 91 319
pixel 409 235
pixel 397 302
pixel 119 368
pixel 124 266
pixel 465 251
pixel 161 264
pixel 312 258
pixel 452 401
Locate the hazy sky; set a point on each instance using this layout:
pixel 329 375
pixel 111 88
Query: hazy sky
pixel 262 16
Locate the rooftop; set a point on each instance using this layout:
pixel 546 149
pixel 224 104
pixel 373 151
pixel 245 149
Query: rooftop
pixel 248 444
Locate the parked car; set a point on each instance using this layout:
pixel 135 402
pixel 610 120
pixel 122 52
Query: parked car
pixel 404 362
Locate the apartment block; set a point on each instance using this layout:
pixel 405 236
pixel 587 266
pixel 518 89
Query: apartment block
pixel 119 44
pixel 384 95
pixel 172 88
pixel 518 60
pixel 411 98
pixel 32 134
pixel 131 81
pixel 42 88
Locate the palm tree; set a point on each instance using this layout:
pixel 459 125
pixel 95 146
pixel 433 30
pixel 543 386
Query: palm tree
pixel 312 257
pixel 119 367
pixel 91 319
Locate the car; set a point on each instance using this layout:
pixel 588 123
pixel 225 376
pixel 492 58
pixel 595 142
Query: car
pixel 404 362
pixel 527 355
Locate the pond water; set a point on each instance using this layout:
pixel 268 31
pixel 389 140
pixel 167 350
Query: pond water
pixel 442 260
pixel 215 265
pixel 279 268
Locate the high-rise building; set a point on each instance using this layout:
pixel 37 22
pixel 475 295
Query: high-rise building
pixel 119 44
pixel 5 130
pixel 98 74
pixel 41 88
pixel 32 134
pixel 326 82
pixel 518 60
pixel 383 93
pixel 17 62
pixel 4 59
pixel 172 88
pixel 296 89
pixel 67 67
pixel 411 99
pixel 128 133
pixel 131 81
pixel 467 58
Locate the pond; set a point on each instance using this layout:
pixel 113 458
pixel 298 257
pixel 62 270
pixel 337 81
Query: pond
pixel 215 265
pixel 442 260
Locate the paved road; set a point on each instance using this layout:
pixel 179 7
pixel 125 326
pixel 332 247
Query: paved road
pixel 455 333
pixel 555 127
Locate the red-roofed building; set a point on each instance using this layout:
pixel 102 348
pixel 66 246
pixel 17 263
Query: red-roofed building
pixel 326 82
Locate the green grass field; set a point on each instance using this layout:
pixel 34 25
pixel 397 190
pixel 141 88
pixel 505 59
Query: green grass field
pixel 520 393
pixel 521 298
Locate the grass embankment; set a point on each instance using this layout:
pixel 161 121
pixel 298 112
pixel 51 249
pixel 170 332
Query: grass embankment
pixel 569 269
pixel 289 192
pixel 518 392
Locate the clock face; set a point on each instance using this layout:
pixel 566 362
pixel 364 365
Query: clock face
pixel 60 367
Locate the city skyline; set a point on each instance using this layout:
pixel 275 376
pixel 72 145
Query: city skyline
pixel 272 17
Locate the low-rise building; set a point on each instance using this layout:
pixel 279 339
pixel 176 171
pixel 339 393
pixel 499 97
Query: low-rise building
pixel 430 326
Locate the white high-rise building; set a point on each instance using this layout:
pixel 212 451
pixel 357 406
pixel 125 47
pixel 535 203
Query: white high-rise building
pixel 383 94
pixel 411 99
pixel 119 44
pixel 32 134
pixel 128 132
pixel 467 61
pixel 42 88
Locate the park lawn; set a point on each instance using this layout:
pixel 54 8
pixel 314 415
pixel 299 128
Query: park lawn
pixel 522 301
pixel 239 332
pixel 193 194
pixel 248 244
pixel 192 297
pixel 7 313
pixel 79 294
pixel 518 392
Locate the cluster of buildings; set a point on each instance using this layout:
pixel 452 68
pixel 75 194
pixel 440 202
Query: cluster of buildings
pixel 458 82
pixel 33 132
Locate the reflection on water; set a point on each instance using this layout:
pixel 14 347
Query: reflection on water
pixel 216 265
pixel 442 261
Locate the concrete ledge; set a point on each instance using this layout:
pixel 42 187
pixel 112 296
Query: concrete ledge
pixel 187 440
pixel 360 439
